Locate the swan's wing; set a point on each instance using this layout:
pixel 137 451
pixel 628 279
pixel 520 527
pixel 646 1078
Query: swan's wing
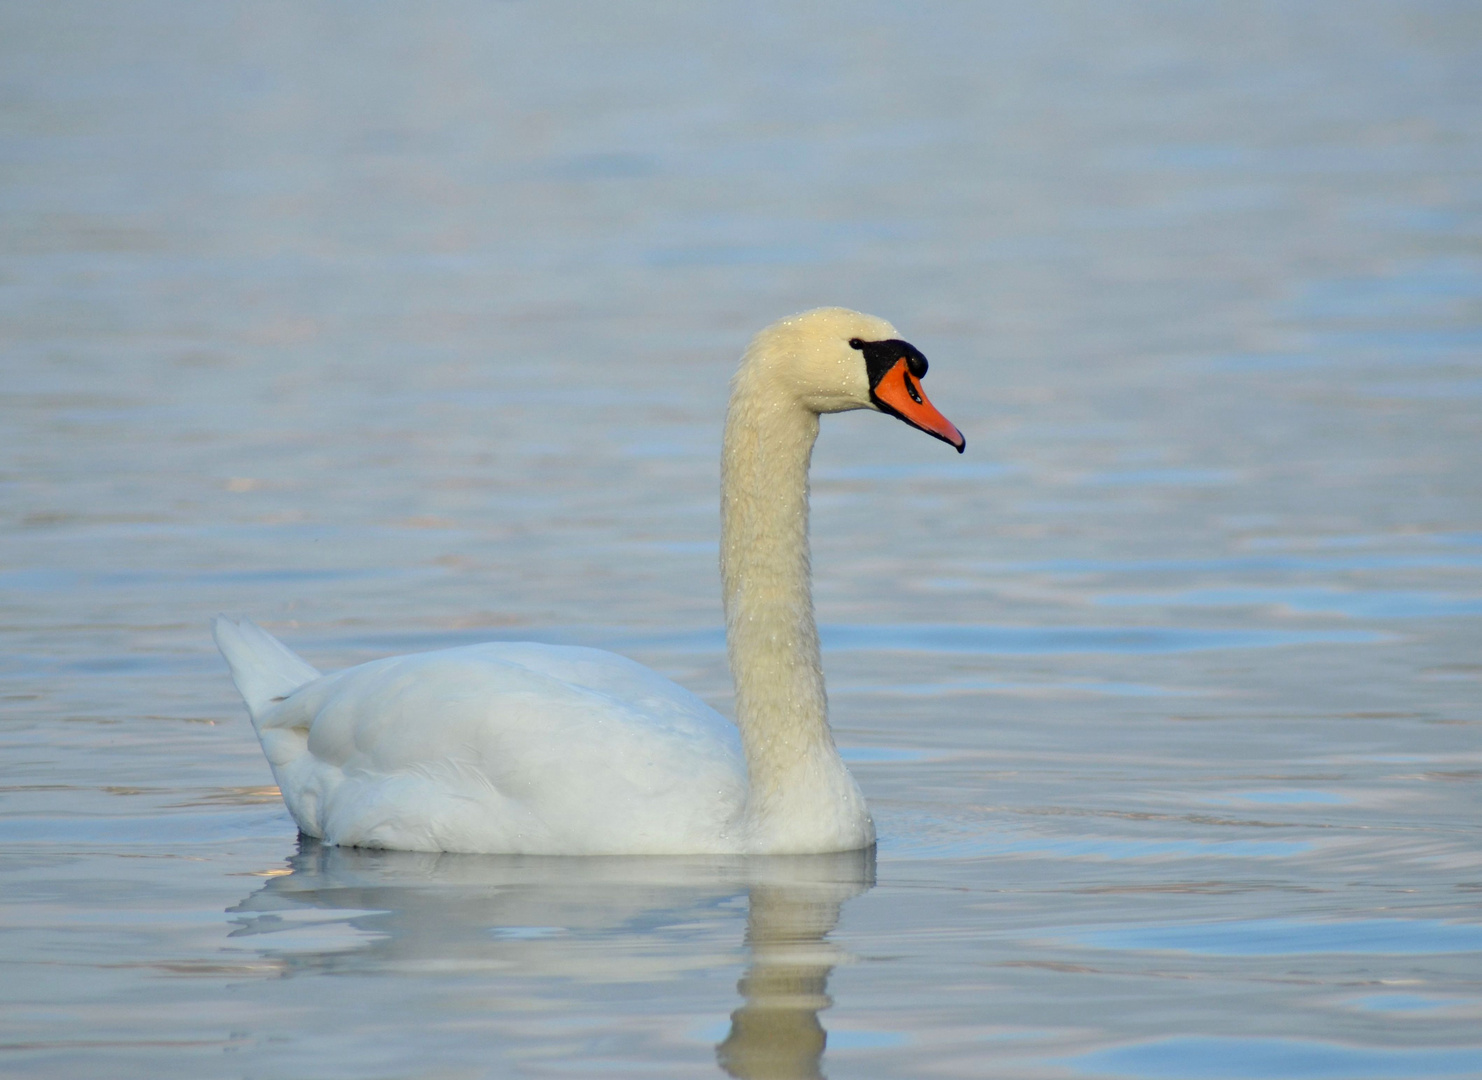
pixel 664 701
pixel 505 748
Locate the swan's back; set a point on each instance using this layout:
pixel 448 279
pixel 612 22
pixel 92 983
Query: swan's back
pixel 507 747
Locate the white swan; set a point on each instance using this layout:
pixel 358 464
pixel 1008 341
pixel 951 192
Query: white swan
pixel 546 749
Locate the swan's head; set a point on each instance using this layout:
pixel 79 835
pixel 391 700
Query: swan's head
pixel 834 360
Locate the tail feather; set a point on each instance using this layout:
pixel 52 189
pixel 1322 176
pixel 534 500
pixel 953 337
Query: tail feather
pixel 262 666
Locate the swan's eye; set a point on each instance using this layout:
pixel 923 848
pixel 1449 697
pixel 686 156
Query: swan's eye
pixel 855 343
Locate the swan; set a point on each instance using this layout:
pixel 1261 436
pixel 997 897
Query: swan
pixel 524 748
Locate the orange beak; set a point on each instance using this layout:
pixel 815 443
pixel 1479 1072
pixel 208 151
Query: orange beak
pixel 900 394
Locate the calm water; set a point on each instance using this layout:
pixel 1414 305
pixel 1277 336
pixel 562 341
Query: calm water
pixel 404 326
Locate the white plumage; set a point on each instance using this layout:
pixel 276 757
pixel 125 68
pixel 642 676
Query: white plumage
pixel 545 749
pixel 511 747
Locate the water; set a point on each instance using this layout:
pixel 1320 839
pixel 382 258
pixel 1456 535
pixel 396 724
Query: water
pixel 397 327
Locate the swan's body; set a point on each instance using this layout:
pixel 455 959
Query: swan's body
pixel 528 748
pixel 508 747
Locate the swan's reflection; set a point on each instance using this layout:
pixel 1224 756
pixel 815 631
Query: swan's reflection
pixel 590 919
pixel 776 1034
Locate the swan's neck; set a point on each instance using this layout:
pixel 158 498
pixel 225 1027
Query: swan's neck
pixel 801 795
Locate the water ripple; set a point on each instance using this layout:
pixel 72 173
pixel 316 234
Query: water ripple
pixel 1195 1058
pixel 1290 937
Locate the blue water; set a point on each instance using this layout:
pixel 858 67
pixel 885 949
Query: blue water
pixel 1277 1059
pixel 398 327
pixel 1277 937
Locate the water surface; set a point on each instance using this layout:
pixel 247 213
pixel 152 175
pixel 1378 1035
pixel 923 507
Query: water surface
pixel 403 327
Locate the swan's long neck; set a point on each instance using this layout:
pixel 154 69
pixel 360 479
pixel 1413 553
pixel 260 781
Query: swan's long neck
pixel 801 795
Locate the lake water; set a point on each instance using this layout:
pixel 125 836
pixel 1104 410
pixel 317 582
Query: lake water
pixel 398 326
